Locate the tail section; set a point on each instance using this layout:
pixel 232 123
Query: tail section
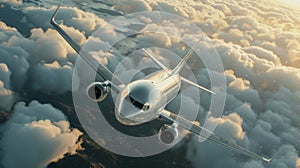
pixel 179 67
pixel 155 60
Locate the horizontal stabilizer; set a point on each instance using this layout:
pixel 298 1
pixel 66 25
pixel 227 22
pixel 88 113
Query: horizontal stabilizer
pixel 196 85
pixel 180 65
pixel 155 60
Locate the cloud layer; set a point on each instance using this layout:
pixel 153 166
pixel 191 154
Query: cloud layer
pixel 258 43
pixel 36 135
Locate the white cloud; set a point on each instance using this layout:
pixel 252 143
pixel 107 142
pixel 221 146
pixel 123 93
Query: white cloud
pixel 70 16
pixel 6 95
pixel 5 75
pixel 230 127
pixel 13 55
pixel 45 77
pixel 258 43
pixel 130 6
pixel 256 73
pixel 12 2
pixel 263 54
pixel 36 135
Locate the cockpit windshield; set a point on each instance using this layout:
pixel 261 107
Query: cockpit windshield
pixel 138 104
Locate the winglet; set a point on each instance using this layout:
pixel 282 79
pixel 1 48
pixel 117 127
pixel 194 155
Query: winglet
pixel 54 15
pixel 197 129
pixel 104 72
pixel 267 160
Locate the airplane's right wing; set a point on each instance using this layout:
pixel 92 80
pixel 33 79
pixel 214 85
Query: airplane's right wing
pixel 197 129
pixel 102 71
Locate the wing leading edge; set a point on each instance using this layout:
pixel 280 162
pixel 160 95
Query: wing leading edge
pixel 196 129
pixel 102 71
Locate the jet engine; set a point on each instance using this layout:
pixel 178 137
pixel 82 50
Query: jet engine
pixel 168 134
pixel 98 91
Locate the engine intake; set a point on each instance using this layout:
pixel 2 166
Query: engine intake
pixel 98 91
pixel 168 134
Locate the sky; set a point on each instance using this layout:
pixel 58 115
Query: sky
pixel 258 43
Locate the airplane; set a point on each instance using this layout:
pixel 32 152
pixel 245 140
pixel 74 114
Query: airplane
pixel 143 100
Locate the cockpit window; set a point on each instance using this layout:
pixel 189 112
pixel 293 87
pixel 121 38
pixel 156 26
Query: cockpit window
pixel 146 107
pixel 138 104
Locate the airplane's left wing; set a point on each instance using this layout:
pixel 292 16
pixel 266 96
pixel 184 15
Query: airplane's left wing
pixel 102 71
pixel 196 129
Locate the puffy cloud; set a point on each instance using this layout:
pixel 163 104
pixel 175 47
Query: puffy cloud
pixel 41 44
pixel 5 75
pixel 71 16
pixel 256 74
pixel 36 135
pixel 45 77
pixel 261 90
pixel 216 155
pixel 12 2
pixel 258 43
pixel 130 6
pixel 31 54
pixel 45 43
pixel 286 156
pixel 172 8
pixel 13 55
pixel 230 126
pixel 7 32
pixel 242 90
pixel 154 39
pixel 6 95
pixel 263 54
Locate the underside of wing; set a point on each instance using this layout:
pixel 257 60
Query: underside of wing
pixel 196 129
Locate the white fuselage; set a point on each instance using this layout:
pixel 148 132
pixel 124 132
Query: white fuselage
pixel 142 100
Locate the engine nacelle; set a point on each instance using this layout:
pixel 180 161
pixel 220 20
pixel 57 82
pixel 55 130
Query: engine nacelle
pixel 168 134
pixel 98 91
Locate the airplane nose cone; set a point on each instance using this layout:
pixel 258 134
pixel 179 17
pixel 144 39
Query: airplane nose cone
pixel 127 113
pixel 127 109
